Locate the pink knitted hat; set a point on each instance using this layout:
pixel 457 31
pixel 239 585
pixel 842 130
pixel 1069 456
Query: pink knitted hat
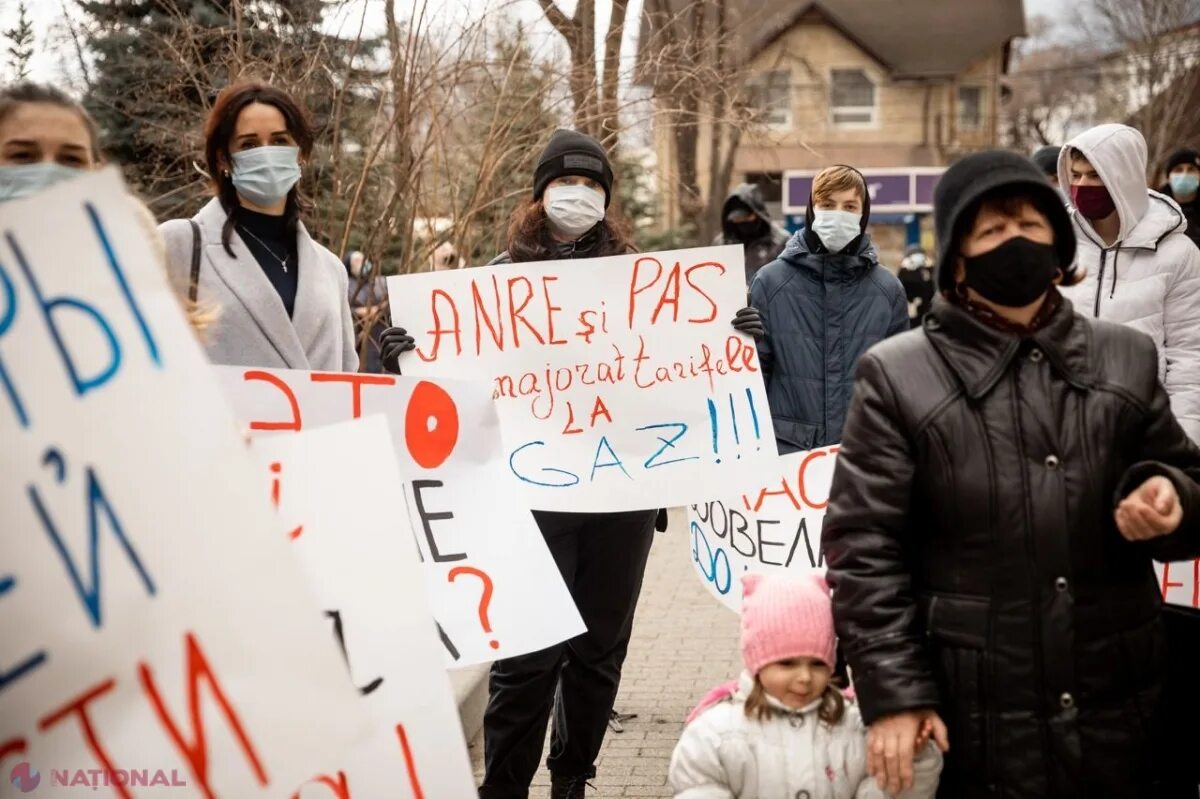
pixel 786 616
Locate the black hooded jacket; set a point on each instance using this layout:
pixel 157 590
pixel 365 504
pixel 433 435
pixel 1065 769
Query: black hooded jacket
pixel 767 242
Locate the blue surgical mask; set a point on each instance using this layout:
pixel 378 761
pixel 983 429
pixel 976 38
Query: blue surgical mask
pixel 836 228
pixel 1185 183
pixel 264 175
pixel 23 180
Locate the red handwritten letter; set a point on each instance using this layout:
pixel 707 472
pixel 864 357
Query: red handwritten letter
pixel 266 377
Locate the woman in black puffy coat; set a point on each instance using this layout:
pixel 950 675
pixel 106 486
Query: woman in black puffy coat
pixel 1007 474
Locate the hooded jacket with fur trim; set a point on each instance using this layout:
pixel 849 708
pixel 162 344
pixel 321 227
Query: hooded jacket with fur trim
pixel 1149 278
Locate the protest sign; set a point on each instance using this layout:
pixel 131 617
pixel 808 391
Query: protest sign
pixel 1180 582
pixel 492 583
pixel 363 566
pixel 772 526
pixel 775 525
pixel 157 631
pixel 620 382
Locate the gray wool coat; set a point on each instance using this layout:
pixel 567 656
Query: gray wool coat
pixel 252 327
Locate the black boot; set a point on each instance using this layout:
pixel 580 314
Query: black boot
pixel 568 787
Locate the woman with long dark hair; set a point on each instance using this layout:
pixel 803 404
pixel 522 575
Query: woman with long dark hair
pixel 602 556
pixel 281 297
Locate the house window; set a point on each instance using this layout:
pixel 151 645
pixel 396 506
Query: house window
pixel 970 107
pixel 771 96
pixel 852 97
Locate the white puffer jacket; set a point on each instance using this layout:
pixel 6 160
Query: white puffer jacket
pixel 793 755
pixel 1149 278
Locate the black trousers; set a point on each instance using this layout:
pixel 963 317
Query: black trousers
pixel 602 558
pixel 1179 708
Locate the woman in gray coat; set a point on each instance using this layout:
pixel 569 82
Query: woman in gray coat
pixel 280 299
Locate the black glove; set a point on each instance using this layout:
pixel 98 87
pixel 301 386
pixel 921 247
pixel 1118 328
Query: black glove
pixel 392 344
pixel 751 322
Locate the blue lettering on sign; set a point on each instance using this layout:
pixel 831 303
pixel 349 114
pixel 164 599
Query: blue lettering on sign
pixel 89 594
pixel 573 479
pixel 28 664
pixel 667 443
pixel 10 313
pixel 596 464
pixel 714 566
pixel 119 274
pixel 84 384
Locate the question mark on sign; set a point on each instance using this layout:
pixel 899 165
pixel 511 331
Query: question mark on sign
pixel 484 601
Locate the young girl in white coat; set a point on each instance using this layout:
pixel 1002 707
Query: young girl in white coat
pixel 783 730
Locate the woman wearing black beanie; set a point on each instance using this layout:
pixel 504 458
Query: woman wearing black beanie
pixel 1007 475
pixel 602 556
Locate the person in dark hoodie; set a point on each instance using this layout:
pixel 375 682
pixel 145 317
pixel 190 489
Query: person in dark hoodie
pixel 824 303
pixel 745 220
pixel 1183 186
pixel 1047 160
pixel 602 556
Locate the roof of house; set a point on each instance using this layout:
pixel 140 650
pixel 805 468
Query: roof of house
pixel 911 38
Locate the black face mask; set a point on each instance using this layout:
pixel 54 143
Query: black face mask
pixel 1014 274
pixel 748 231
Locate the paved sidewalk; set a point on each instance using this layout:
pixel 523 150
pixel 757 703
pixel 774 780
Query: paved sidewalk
pixel 684 642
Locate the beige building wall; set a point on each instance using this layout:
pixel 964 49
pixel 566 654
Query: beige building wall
pixel 916 121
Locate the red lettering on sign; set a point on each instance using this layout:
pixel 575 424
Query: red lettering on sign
pixel 409 763
pixel 567 428
pixel 496 328
pixel 356 381
pixel 635 288
pixel 550 309
pixel 266 377
pixel 438 331
pixel 196 752
pixel 78 707
pixel 600 409
pixel 516 312
pixel 430 425
pixel 713 305
pixel 669 296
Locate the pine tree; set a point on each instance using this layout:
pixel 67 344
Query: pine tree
pixel 20 43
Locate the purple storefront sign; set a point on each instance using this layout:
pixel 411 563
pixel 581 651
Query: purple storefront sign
pixel 893 190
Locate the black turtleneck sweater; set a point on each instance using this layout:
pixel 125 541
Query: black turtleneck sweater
pixel 267 239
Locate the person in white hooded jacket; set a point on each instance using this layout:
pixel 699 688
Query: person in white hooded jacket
pixel 783 730
pixel 1142 270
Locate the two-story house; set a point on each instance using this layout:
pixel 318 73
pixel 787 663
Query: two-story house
pixel 895 85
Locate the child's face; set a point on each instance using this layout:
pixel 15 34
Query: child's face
pixel 795 682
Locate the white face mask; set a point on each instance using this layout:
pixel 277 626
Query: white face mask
pixel 265 175
pixel 574 210
pixel 836 228
pixel 23 180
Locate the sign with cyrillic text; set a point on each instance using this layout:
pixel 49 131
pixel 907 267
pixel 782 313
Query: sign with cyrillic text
pixel 363 566
pixel 158 636
pixel 620 381
pixel 474 535
pixel 772 526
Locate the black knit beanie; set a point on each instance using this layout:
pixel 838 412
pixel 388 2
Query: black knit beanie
pixel 1183 157
pixel 1047 158
pixel 968 182
pixel 572 153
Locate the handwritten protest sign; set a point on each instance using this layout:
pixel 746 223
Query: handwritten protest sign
pixel 1180 583
pixel 360 558
pixel 474 538
pixel 776 526
pixel 773 526
pixel 620 382
pixel 157 631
